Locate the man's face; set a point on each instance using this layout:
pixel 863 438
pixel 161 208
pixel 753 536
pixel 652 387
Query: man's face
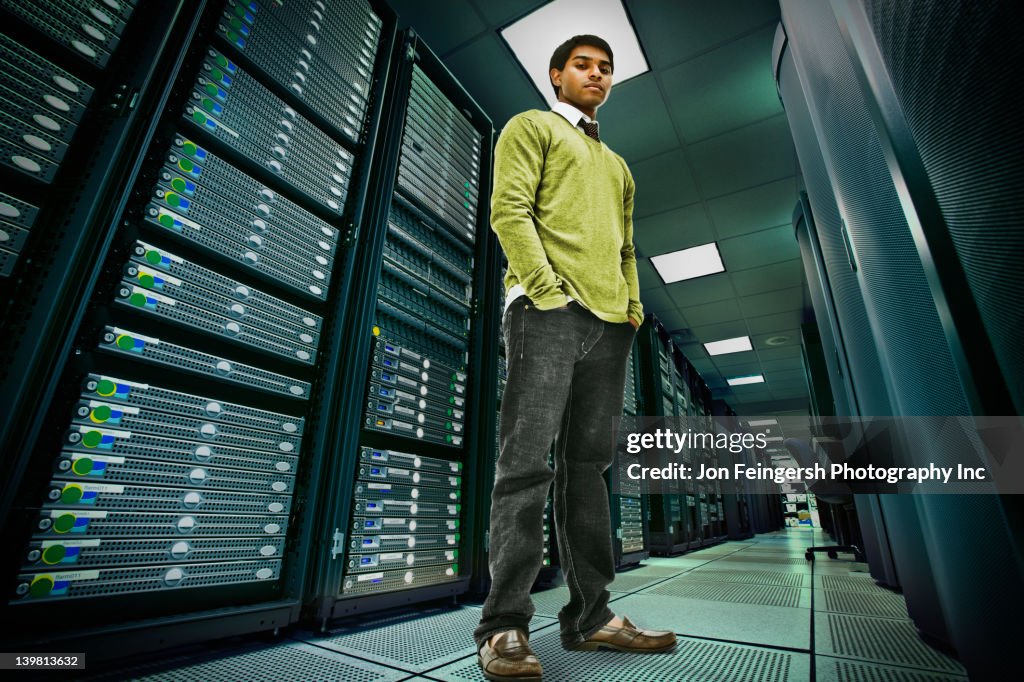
pixel 586 78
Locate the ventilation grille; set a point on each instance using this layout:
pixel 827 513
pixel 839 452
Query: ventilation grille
pixel 731 592
pixel 881 604
pixel 886 641
pixel 290 661
pixel 691 660
pixel 750 577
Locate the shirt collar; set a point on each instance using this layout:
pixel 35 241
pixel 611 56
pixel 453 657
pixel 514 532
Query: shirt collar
pixel 570 113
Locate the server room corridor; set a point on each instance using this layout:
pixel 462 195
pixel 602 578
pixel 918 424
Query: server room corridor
pixel 296 297
pixel 743 610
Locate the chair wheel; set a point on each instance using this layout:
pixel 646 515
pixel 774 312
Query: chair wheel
pixel 809 556
pixel 833 555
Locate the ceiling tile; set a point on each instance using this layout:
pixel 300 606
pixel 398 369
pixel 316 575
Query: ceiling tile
pixel 636 100
pixel 788 273
pixel 769 325
pixel 724 89
pixel 647 275
pixel 673 319
pixel 746 362
pixel 772 302
pixel 784 375
pixel 442 25
pixel 743 158
pixel 754 209
pixel 718 332
pixel 673 230
pixel 694 352
pixel 663 182
pixel 778 353
pixel 712 313
pixel 704 367
pixel 671 30
pixel 479 64
pixel 789 393
pixel 700 290
pixel 782 364
pixel 505 12
pixel 759 340
pixel 773 245
pixel 656 299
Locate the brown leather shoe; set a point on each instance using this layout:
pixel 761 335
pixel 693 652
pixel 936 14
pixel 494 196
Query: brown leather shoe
pixel 629 638
pixel 510 659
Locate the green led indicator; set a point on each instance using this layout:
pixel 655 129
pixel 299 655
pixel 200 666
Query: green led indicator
pixel 211 89
pixel 466 185
pixel 153 257
pixel 178 184
pixel 457 536
pixel 208 104
pixel 186 165
pixel 239 11
pixel 236 24
pixel 455 553
pixel 71 495
pixel 172 199
pixel 217 75
pixel 41 586
pixel 125 342
pixel 166 220
pixel 467 195
pixel 64 523
pixel 106 387
pixel 137 299
pixel 222 60
pixel 147 281
pixel 450 411
pixel 232 36
pixel 91 439
pixel 189 148
pixel 101 413
pixel 82 466
pixel 458 507
pixel 198 117
pixel 54 554
pixel 466 204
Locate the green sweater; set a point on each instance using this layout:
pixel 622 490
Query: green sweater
pixel 562 208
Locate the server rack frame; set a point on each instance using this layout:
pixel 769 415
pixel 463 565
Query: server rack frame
pixel 151 86
pixel 325 601
pixel 625 559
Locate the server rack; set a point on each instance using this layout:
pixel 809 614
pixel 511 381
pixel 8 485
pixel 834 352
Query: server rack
pixel 419 368
pixel 667 518
pixel 946 348
pixel 735 502
pixel 183 347
pixel 627 497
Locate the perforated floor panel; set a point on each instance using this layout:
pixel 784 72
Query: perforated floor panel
pixel 768 595
pixel 630 582
pixel 880 640
pixel 267 663
pixel 883 604
pixel 749 577
pixel 692 660
pixel 830 669
pixel 414 642
pixel 747 623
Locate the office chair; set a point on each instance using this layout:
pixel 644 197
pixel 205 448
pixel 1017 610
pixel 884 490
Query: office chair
pixel 837 495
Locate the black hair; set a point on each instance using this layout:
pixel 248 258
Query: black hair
pixel 562 52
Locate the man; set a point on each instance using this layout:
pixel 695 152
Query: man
pixel 562 208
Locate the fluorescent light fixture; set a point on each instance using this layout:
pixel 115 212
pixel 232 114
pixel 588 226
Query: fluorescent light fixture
pixel 743 381
pixel 534 37
pixel 763 422
pixel 734 345
pixel 688 263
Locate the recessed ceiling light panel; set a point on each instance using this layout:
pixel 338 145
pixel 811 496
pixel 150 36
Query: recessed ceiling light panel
pixel 534 37
pixel 734 345
pixel 743 381
pixel 688 263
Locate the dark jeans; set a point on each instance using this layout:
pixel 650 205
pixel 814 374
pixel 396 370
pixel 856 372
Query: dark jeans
pixel 566 371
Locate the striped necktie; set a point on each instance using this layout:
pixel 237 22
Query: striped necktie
pixel 590 129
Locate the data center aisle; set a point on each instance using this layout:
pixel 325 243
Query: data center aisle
pixel 744 610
